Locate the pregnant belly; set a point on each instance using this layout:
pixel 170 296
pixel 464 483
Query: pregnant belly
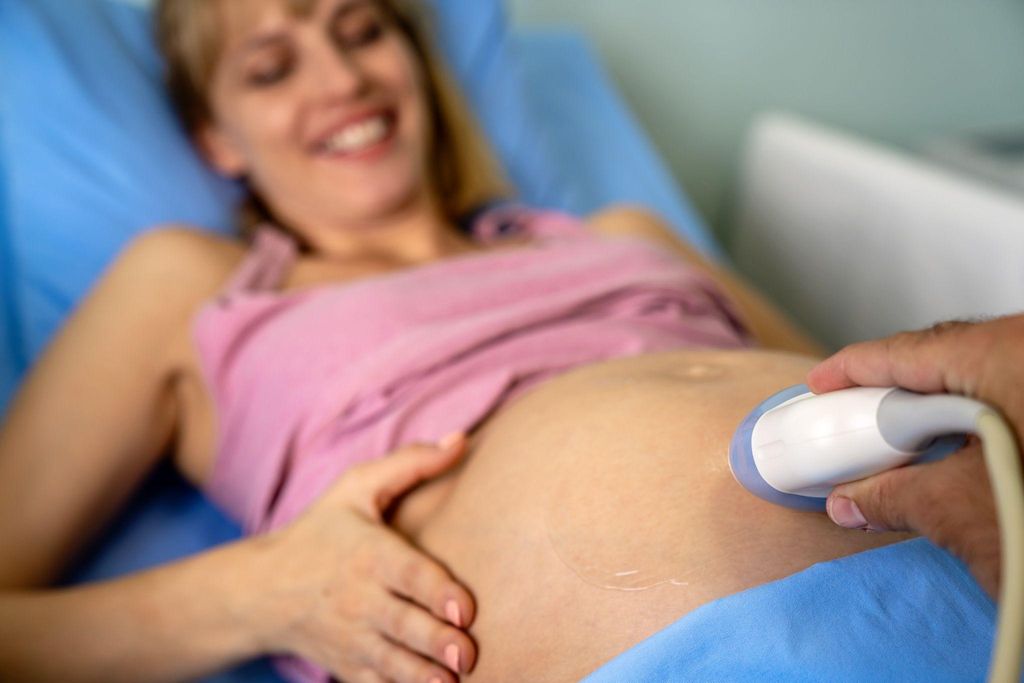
pixel 599 508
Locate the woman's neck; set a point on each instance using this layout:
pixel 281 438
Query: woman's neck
pixel 411 235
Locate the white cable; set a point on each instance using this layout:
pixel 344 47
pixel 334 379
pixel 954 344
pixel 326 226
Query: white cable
pixel 905 419
pixel 1004 471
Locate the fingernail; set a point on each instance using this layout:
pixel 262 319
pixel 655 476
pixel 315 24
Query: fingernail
pixel 454 614
pixel 845 513
pixel 451 656
pixel 448 442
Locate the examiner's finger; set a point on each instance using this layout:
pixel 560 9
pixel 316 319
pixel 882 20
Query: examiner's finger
pixel 930 498
pixel 949 501
pixel 927 361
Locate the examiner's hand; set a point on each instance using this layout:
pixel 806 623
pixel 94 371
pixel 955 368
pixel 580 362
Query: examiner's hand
pixel 350 594
pixel 949 501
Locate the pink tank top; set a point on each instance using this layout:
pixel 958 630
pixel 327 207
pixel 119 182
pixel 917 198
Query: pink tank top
pixel 308 383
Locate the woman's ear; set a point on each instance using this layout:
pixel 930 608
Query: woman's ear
pixel 217 149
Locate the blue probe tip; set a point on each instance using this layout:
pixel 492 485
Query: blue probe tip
pixel 741 457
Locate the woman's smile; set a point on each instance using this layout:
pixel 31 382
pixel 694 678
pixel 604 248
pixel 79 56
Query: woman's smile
pixel 364 136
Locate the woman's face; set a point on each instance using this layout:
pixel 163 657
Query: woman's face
pixel 326 115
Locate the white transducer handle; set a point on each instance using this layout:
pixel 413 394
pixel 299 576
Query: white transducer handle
pixel 812 443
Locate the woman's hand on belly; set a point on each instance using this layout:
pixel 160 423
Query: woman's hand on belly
pixel 344 590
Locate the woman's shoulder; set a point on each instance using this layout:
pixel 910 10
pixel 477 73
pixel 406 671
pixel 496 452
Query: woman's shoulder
pixel 176 268
pixel 185 246
pixel 180 261
pixel 633 220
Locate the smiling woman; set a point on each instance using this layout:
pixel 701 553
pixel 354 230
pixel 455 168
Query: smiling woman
pixel 598 366
pixel 236 68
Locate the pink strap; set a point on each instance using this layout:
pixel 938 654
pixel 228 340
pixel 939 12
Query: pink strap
pixel 267 263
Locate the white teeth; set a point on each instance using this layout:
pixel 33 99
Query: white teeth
pixel 358 136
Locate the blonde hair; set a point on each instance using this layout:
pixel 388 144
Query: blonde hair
pixel 466 173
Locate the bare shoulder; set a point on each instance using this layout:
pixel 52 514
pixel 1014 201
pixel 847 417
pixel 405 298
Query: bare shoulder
pixel 622 220
pixel 179 266
pixel 190 257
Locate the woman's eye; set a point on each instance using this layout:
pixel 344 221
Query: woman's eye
pixel 362 36
pixel 269 75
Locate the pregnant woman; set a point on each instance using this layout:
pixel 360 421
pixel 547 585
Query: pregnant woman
pixel 588 375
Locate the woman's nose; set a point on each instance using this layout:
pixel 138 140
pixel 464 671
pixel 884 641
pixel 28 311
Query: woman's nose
pixel 337 73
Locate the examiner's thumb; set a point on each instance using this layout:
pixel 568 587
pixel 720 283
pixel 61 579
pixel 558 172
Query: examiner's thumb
pixel 884 502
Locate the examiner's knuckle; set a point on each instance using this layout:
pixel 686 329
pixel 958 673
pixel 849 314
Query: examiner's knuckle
pixel 946 327
pixel 877 492
pixel 905 345
pixel 885 498
pixel 932 502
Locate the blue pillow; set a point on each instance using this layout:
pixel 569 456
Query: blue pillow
pixel 91 148
pixel 595 151
pixel 12 364
pixel 94 154
pixel 478 44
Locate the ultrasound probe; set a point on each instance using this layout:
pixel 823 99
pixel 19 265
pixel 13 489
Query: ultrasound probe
pixel 796 446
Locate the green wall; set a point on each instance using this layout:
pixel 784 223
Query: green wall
pixel 897 71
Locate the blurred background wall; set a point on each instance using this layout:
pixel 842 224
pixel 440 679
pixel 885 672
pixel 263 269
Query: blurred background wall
pixel 901 72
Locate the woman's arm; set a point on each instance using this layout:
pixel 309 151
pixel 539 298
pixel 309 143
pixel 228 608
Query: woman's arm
pixel 767 323
pixel 176 622
pixel 91 420
pixel 98 409
pixel 338 586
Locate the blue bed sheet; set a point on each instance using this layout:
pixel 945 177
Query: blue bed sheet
pixel 599 153
pixel 906 613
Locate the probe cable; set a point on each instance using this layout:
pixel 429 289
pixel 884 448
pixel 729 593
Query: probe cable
pixel 1004 471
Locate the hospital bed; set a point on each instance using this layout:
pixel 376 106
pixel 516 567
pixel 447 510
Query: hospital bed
pixel 90 154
